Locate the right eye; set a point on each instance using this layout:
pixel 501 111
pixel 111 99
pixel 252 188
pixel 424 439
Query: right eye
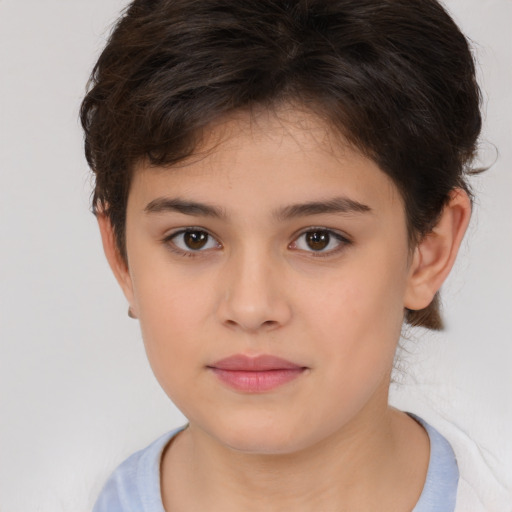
pixel 189 241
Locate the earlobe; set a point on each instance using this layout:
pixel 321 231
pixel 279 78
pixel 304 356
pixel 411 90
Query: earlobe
pixel 435 255
pixel 115 259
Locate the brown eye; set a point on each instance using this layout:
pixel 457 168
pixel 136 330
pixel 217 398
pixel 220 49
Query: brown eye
pixel 317 240
pixel 320 242
pixel 195 240
pixel 192 240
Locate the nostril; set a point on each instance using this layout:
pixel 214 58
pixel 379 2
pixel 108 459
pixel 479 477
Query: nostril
pixel 267 324
pixel 258 310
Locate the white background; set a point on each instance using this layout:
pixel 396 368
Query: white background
pixel 76 393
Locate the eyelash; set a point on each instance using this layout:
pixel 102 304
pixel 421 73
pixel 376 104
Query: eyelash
pixel 343 241
pixel 168 241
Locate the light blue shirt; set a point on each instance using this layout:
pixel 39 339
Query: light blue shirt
pixel 135 484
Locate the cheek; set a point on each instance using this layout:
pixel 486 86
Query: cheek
pixel 359 319
pixel 171 307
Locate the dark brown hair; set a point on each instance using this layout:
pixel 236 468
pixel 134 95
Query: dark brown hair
pixel 395 77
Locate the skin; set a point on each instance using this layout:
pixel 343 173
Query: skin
pixel 328 439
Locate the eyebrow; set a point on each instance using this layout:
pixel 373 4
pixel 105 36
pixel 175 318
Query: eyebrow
pixel 343 205
pixel 167 204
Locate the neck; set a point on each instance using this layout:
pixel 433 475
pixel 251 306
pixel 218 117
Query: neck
pixel 360 467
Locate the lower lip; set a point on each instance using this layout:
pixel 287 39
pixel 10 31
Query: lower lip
pixel 257 382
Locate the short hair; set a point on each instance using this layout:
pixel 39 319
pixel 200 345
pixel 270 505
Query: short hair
pixel 396 78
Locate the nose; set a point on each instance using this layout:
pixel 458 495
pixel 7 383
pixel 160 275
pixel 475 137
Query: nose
pixel 253 295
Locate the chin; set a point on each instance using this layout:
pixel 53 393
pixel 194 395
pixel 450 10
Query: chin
pixel 262 437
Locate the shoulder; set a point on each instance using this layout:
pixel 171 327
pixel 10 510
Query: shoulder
pixel 440 489
pixel 483 486
pixel 479 488
pixel 135 485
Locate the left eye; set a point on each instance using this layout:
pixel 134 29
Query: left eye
pixel 318 240
pixel 193 240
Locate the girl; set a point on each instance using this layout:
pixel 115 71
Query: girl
pixel 279 186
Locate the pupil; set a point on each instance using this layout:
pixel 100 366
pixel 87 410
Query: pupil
pixel 318 240
pixel 195 239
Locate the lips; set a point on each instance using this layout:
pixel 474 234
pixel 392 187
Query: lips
pixel 260 363
pixel 255 374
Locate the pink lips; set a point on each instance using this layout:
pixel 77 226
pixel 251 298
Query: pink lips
pixel 255 374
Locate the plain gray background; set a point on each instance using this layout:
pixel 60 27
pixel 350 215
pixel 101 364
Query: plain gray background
pixel 77 395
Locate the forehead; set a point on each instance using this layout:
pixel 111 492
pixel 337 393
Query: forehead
pixel 269 158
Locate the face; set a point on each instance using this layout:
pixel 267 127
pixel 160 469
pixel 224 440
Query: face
pixel 269 273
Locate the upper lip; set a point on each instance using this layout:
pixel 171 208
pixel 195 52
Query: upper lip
pixel 259 363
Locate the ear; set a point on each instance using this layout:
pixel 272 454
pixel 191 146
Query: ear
pixel 116 261
pixel 435 255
